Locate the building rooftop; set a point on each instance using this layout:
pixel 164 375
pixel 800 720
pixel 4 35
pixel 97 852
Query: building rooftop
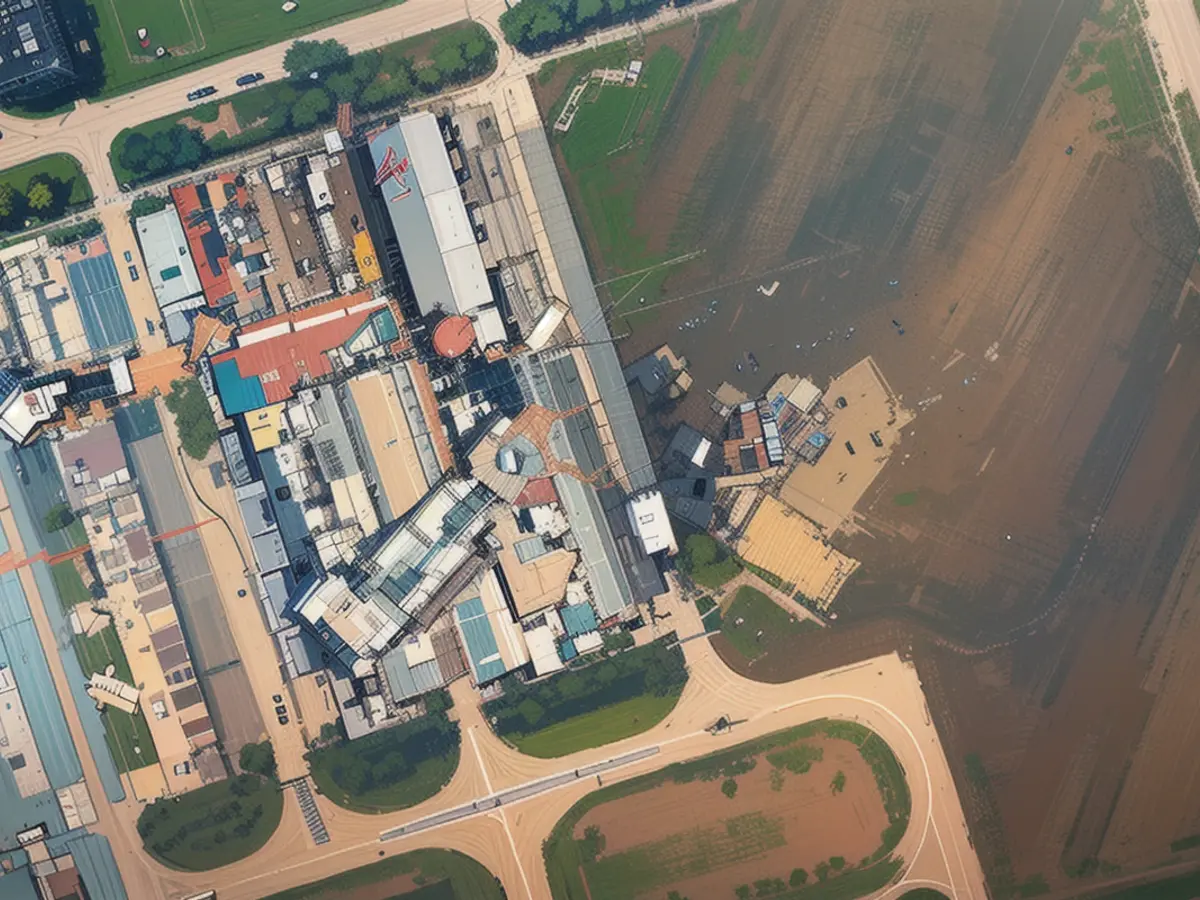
pixel 427 213
pixel 276 355
pixel 168 257
pixel 30 44
pixel 99 295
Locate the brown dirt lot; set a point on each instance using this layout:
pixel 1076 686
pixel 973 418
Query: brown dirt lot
pixel 923 141
pixel 817 824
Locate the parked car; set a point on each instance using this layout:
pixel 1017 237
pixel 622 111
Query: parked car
pixel 250 78
pixel 849 448
pixel 201 93
pixel 133 273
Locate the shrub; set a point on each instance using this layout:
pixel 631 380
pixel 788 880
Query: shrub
pixel 193 417
pixel 258 758
pixel 146 206
pixel 58 517
pixel 706 562
pixel 73 234
pixel 798 877
pixel 729 787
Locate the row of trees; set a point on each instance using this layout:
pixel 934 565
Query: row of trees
pixel 322 74
pixel 44 198
pixel 653 669
pixel 538 25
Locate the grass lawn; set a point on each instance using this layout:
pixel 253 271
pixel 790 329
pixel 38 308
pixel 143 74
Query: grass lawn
pixel 57 166
pixel 758 612
pixel 1182 887
pixel 212 826
pixel 202 32
pixel 391 769
pixel 427 778
pixel 128 736
pixel 69 585
pixel 458 877
pixel 597 728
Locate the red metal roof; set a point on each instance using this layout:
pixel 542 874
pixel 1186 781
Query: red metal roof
pixel 536 492
pixel 453 336
pixel 279 362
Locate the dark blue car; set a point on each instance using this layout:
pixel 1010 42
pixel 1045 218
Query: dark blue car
pixel 250 78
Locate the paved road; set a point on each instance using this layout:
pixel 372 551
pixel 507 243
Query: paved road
pixel 88 132
pixel 883 693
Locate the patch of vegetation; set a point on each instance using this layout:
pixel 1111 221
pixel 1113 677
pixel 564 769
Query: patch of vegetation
pixel 41 191
pixel 707 562
pixel 384 78
pixel 754 623
pixel 710 613
pixel 258 759
pixel 536 25
pixel 1181 887
pixel 976 772
pixel 69 586
pixel 128 736
pixel 1189 125
pixel 74 234
pixel 1185 843
pixel 58 517
pixel 610 699
pixel 464 878
pixel 212 826
pixel 1033 886
pixel 729 787
pixel 1093 82
pixel 838 784
pixel 923 894
pixel 147 206
pixel 193 417
pixel 797 759
pixel 391 769
pixel 908 498
pixel 637 870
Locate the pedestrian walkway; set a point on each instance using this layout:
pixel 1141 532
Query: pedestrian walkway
pixel 312 815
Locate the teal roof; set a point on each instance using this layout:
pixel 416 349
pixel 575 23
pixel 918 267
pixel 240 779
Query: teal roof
pixel 18 885
pixel 238 394
pixel 482 648
pixel 578 619
pixel 97 867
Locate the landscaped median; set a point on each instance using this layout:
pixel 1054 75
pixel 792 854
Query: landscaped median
pixel 41 191
pixel 420 874
pixel 597 704
pixel 811 813
pixel 212 826
pixel 385 78
pixel 391 769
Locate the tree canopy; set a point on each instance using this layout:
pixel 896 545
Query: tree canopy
pixel 258 759
pixel 305 57
pixel 534 25
pixel 193 417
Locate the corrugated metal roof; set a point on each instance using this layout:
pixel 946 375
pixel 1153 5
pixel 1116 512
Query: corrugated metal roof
pixel 578 619
pixel 482 648
pixel 597 549
pixel 18 885
pixel 559 226
pixel 97 867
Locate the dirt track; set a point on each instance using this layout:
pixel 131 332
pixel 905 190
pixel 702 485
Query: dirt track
pixel 1044 300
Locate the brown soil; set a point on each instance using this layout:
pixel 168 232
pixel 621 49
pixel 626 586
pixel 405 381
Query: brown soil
pixel 817 824
pixel 227 121
pixel 923 141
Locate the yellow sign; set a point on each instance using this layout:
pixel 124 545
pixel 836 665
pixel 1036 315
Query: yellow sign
pixel 364 257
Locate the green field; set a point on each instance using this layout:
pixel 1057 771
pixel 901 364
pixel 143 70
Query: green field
pixel 595 729
pixel 212 826
pixel 201 32
pixel 1182 887
pixel 613 144
pixel 128 736
pixel 69 586
pixel 391 769
pixel 652 867
pixel 439 874
pixel 759 612
pixel 69 189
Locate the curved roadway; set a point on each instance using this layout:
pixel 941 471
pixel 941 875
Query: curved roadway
pixel 883 694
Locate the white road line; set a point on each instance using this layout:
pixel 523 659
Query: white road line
pixel 487 782
pixel 513 845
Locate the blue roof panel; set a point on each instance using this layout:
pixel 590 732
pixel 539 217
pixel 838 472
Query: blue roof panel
pixel 481 642
pixel 238 394
pixel 578 619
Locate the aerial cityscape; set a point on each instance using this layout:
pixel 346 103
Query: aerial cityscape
pixel 599 449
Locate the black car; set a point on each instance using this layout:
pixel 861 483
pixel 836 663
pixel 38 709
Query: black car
pixel 201 93
pixel 250 78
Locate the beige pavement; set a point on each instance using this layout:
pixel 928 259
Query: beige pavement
pixel 882 693
pixel 230 557
pixel 138 294
pixel 88 132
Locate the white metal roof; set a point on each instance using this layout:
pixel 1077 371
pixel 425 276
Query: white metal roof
pixel 542 650
pixel 805 395
pixel 648 515
pixel 427 151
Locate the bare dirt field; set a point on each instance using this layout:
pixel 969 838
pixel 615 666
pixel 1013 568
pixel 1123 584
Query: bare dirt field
pixel 839 147
pixel 775 822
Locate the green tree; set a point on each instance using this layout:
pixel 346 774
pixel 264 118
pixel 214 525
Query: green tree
pixel 729 787
pixel 39 195
pixel 8 200
pixel 839 782
pixel 305 57
pixel 450 62
pixel 145 206
pixel 193 417
pixel 343 86
pixel 837 863
pixel 742 892
pixel 798 877
pixel 309 109
pixel 429 78
pixel 258 758
pixel 58 517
